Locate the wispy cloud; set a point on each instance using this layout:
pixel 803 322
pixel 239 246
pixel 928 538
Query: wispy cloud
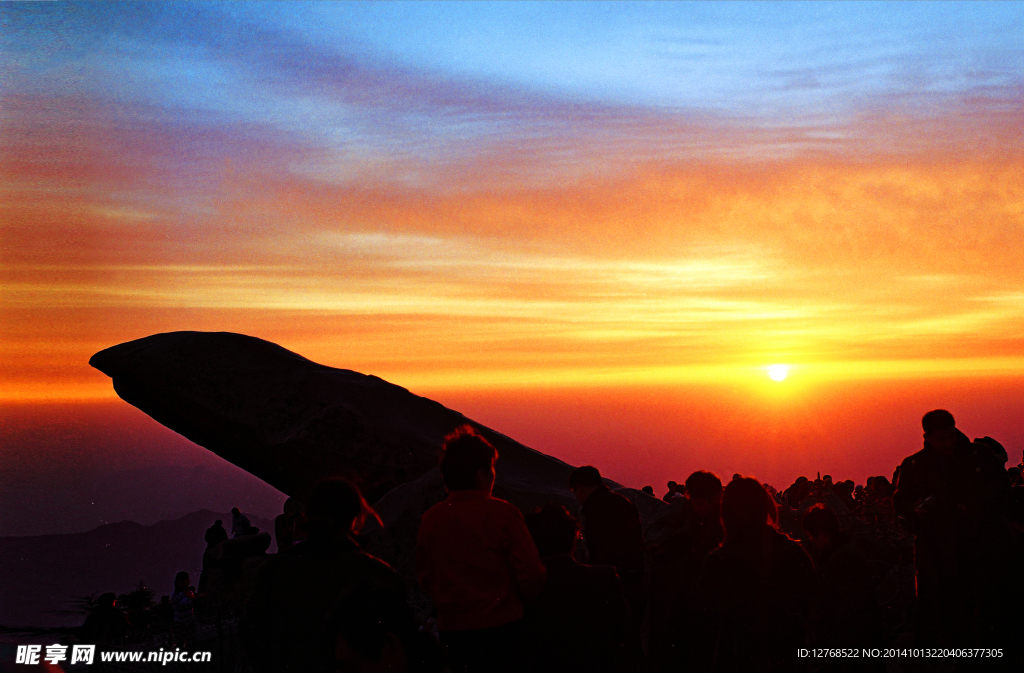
pixel 197 166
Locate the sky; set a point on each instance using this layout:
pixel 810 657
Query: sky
pixel 591 226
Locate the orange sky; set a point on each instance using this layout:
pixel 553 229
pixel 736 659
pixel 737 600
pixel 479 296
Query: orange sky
pixel 671 273
pixel 629 250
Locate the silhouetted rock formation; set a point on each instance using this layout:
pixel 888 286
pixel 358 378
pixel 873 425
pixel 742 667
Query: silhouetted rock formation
pixel 292 422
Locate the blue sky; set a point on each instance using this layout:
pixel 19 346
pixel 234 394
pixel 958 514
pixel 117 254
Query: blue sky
pixel 704 55
pixel 774 62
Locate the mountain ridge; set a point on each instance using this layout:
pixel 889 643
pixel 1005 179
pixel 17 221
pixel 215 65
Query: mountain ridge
pixel 49 571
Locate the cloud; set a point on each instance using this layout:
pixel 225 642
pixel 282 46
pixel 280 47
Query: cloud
pixel 492 227
pixel 363 116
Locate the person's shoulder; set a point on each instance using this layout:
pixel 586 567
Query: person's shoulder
pixel 618 497
pixel 340 554
pixel 915 460
pixel 499 505
pixel 503 513
pixel 921 454
pixel 625 503
pixel 606 497
pixel 437 511
pixel 791 549
pixel 486 504
pixel 381 574
pixel 440 518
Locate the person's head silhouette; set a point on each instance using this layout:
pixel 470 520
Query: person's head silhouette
pixel 746 508
pixel 940 431
pixel 468 461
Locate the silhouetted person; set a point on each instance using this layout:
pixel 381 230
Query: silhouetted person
pixel 182 602
pixel 675 567
pixel 579 621
pixel 285 523
pixel 754 591
pixel 844 490
pixel 183 598
pixel 881 487
pixel 952 494
pixel 1015 509
pixel 673 492
pixel 798 492
pixel 843 613
pixel 215 534
pixel 296 589
pixel 477 561
pixel 614 536
pixel 239 523
pixel 649 490
pixel 876 498
pixel 106 625
pixel 998 450
pixel 163 612
pixel 374 631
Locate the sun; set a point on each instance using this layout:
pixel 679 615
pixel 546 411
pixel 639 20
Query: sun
pixel 778 372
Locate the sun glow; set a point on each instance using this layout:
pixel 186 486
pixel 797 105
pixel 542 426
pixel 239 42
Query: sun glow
pixel 778 372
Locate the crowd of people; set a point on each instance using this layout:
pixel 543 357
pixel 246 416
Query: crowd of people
pixel 740 576
pixel 112 620
pixel 723 589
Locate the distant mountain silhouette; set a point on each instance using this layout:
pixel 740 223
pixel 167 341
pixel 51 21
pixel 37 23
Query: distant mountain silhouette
pixel 77 497
pixel 44 573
